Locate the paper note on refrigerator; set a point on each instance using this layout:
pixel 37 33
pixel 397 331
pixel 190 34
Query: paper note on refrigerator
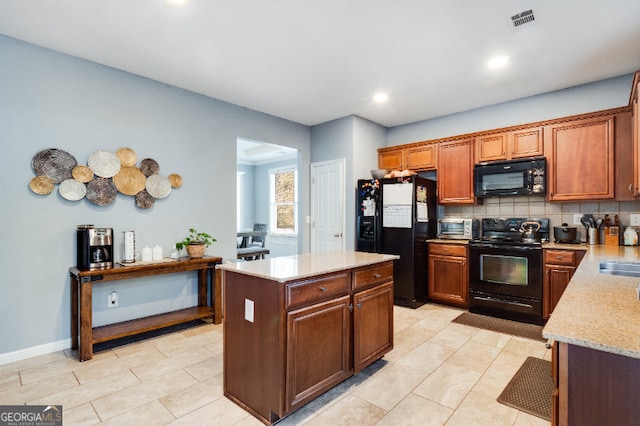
pixel 396 205
pixel 368 207
pixel 396 216
pixel 422 212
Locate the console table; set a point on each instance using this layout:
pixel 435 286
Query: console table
pixel 84 335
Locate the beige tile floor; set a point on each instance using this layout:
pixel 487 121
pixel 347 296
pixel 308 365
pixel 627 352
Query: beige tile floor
pixel 439 373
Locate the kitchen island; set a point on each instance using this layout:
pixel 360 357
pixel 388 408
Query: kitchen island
pixel 596 356
pixel 296 326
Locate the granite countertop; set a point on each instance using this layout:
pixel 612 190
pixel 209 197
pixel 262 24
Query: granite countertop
pixel 289 268
pixel 599 311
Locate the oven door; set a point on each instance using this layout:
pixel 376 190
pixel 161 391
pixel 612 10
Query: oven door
pixel 506 281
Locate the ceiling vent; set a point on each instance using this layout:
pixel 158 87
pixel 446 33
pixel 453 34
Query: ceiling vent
pixel 520 19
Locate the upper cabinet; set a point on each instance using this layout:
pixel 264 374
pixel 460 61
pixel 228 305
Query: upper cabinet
pixel 581 159
pixel 509 145
pixel 391 158
pixel 635 118
pixel 421 157
pixel 455 172
pixel 417 157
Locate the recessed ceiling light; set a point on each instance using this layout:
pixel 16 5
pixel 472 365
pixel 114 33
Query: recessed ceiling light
pixel 179 3
pixel 381 97
pixel 498 62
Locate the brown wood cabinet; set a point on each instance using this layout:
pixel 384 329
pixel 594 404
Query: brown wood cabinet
pixel 581 157
pixel 635 114
pixel 510 145
pixel 455 172
pixel 391 158
pixel 417 157
pixel 593 387
pixel 421 157
pixel 449 274
pixel 286 343
pixel 559 267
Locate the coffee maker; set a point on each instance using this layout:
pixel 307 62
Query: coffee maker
pixel 95 247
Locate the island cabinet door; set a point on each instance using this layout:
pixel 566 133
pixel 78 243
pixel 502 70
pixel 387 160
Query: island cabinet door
pixel 318 350
pixel 372 324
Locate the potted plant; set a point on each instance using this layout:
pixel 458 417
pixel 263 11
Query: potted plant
pixel 195 243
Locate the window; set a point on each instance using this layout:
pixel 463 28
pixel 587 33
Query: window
pixel 284 200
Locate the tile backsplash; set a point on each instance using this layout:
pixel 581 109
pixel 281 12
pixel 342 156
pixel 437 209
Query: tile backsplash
pixel 536 206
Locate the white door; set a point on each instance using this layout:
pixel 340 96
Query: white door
pixel 327 205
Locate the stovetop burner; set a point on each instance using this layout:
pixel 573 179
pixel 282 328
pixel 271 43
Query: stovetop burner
pixel 507 231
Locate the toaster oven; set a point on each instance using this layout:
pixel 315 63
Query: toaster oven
pixel 453 228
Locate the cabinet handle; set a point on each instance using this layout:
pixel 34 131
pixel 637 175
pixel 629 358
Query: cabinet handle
pixel 559 258
pixel 631 187
pixel 322 288
pixel 359 305
pixel 377 275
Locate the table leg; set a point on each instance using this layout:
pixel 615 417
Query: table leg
pixel 85 349
pixel 74 312
pixel 202 287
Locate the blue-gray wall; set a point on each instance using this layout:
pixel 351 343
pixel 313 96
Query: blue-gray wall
pixel 50 100
pixel 245 202
pixel 611 93
pixel 357 141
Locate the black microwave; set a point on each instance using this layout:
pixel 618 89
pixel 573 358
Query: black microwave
pixel 515 177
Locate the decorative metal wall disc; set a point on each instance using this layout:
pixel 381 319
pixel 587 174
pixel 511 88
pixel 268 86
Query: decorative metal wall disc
pixel 72 190
pixel 41 185
pixel 129 180
pixel 53 163
pixel 158 186
pixel 101 191
pixel 149 167
pixel 82 173
pixel 175 180
pixel 104 164
pixel 144 200
pixel 127 156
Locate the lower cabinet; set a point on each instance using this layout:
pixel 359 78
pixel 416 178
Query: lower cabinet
pixel 318 349
pixel 449 274
pixel 559 267
pixel 287 343
pixel 593 387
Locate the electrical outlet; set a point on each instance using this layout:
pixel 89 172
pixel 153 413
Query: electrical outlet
pixel 113 300
pixel 576 219
pixel 635 219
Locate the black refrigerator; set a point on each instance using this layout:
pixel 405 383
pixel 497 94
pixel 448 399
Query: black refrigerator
pixel 399 220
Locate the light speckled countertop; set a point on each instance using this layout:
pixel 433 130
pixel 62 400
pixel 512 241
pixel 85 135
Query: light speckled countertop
pixel 289 268
pixel 598 311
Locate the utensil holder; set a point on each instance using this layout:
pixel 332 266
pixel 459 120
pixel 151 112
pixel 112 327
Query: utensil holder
pixel 593 236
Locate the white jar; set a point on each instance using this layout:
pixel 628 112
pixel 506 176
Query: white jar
pixel 630 237
pixel 157 252
pixel 147 254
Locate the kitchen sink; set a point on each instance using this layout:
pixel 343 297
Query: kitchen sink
pixel 627 269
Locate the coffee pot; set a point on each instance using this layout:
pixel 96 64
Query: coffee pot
pixel 94 247
pixel 529 232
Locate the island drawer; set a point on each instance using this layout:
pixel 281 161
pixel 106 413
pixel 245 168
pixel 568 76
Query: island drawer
pixel 311 291
pixel 560 257
pixel 372 275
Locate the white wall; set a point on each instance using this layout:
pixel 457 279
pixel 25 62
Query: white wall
pixel 50 100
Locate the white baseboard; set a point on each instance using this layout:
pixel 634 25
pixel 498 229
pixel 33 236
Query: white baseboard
pixel 35 351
